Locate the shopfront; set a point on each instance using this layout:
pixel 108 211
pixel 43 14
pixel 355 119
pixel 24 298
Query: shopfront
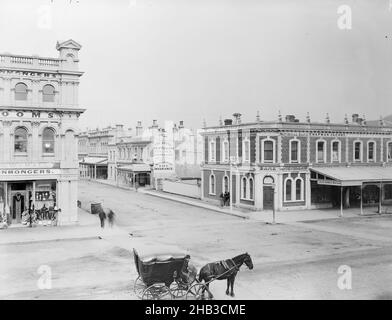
pixel 24 189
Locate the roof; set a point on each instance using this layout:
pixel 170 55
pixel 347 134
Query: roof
pixel 136 167
pixel 160 255
pixel 349 176
pixel 95 160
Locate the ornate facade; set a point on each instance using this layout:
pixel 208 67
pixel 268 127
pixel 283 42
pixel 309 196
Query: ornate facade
pixel 39 114
pixel 298 165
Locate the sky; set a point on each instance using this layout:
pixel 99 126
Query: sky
pixel 206 59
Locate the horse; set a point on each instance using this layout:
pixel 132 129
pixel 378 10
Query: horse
pixel 225 269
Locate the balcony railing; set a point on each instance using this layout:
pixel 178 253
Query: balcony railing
pixel 7 60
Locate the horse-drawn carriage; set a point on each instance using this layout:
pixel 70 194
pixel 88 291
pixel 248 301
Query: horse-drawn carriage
pixel 166 276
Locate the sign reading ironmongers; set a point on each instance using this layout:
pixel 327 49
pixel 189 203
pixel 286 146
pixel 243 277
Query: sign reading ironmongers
pixel 28 172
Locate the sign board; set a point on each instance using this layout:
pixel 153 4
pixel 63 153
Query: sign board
pixel 329 182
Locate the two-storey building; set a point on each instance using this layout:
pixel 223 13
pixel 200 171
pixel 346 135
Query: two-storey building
pixel 39 114
pixel 298 165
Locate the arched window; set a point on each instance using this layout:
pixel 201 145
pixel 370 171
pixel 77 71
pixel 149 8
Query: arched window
pixel 20 145
pixel 212 184
pixel 288 189
pixel 298 189
pixel 48 93
pixel 244 183
pixel 21 91
pixel 251 188
pixel 48 141
pixel 225 184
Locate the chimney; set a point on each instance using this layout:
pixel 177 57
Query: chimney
pixel 181 125
pixel 290 118
pixel 237 118
pixel 355 117
pixel 155 123
pixel 139 129
pixel 228 122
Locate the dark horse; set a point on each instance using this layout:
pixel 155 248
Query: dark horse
pixel 225 269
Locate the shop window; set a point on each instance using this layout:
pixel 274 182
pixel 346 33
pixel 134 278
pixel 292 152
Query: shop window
pixel 357 151
pixel 288 189
pixel 371 151
pixel 48 93
pixel 21 92
pixel 251 187
pixel 335 151
pixel 268 146
pixel 388 192
pixel 298 189
pixel 48 141
pixel 212 184
pixel 320 151
pixel 294 151
pixel 20 145
pixel 244 183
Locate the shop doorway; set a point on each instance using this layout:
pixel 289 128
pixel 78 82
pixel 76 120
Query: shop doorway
pixel 18 205
pixel 268 197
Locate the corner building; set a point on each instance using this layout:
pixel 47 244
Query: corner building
pixel 39 115
pixel 298 165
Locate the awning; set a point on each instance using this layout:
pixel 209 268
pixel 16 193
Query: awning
pixel 136 167
pixel 95 161
pixel 353 176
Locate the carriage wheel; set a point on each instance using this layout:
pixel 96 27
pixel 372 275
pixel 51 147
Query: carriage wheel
pixel 157 291
pixel 139 287
pixel 198 291
pixel 178 291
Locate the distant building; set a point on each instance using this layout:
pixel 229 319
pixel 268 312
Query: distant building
pixel 298 165
pixel 39 112
pixel 93 150
pixel 153 154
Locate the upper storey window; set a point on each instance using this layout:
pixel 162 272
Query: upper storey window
pixel 48 93
pixel 390 151
pixel 48 141
pixel 294 151
pixel 321 151
pixel 212 151
pixel 21 92
pixel 358 151
pixel 20 145
pixel 335 151
pixel 268 151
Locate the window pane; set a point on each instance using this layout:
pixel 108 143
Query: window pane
pixel 20 91
pixel 390 151
pixel 20 140
pixel 320 151
pixel 288 190
pixel 48 141
pixel 48 93
pixel 294 150
pixel 371 151
pixel 298 189
pixel 357 151
pixel 244 187
pixel 335 151
pixel 251 188
pixel 268 151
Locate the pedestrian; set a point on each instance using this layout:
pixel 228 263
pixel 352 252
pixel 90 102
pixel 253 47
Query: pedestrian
pixel 111 218
pixel 102 217
pixel 227 198
pixel 222 199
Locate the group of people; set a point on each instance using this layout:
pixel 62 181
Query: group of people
pixel 225 199
pixel 106 215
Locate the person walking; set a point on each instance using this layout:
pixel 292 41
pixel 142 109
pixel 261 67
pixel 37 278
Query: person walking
pixel 111 218
pixel 222 199
pixel 102 217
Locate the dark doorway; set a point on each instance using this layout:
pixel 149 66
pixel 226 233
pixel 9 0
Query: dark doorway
pixel 268 197
pixel 18 206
